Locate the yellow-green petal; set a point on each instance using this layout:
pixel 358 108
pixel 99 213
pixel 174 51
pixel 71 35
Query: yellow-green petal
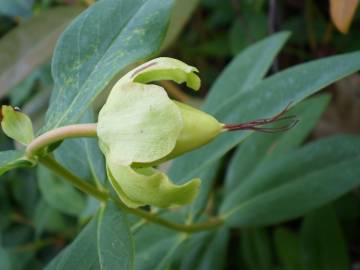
pixel 149 187
pixel 138 123
pixel 16 125
pixel 164 68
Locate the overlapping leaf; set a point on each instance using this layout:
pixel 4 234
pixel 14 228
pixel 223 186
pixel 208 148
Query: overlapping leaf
pixel 105 243
pixel 102 41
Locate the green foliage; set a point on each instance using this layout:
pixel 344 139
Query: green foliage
pixel 59 194
pixel 31 44
pixel 16 125
pixel 105 243
pixel 81 71
pixel 12 159
pixel 266 201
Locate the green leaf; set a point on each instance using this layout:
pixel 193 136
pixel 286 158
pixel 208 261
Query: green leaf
pixel 12 159
pixel 261 148
pixel 205 250
pixel 103 40
pixel 156 246
pixel 287 247
pixel 256 249
pixel 282 189
pixel 214 255
pixel 245 71
pixel 105 243
pixel 31 44
pixel 208 177
pixel 178 20
pixel 60 194
pixel 5 263
pixel 267 99
pixel 16 7
pixel 48 219
pixel 323 244
pixel 16 125
pixel 191 251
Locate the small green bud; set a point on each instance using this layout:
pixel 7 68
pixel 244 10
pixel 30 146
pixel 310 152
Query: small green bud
pixel 16 125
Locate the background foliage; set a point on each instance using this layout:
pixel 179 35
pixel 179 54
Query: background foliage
pixel 290 200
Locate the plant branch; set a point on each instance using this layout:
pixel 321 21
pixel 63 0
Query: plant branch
pixel 104 196
pixel 58 134
pixel 76 181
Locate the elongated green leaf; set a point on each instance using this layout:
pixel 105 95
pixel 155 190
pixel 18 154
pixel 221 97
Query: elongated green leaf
pixel 268 98
pixel 105 243
pixel 208 175
pixel 12 159
pixel 47 218
pixel 16 7
pixel 323 244
pixel 60 194
pixel 261 147
pixel 245 71
pixel 283 189
pixel 179 19
pixel 256 249
pixel 205 250
pixel 31 44
pixel 5 263
pixel 102 41
pixel 287 245
pixel 155 246
pixel 192 249
pixel 214 256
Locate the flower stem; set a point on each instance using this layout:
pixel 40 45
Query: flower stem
pixel 58 134
pixel 76 181
pixel 104 196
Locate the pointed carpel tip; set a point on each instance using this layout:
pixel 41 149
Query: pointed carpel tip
pixel 260 124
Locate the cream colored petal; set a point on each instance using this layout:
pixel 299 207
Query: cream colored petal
pixel 138 123
pixel 149 187
pixel 163 68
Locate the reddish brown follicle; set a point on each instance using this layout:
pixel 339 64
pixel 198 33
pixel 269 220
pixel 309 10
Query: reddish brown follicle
pixel 258 125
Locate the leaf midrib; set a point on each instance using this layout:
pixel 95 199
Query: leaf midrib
pixel 65 114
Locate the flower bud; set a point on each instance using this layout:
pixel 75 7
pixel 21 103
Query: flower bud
pixel 140 126
pixel 16 125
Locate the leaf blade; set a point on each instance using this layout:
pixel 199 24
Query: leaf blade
pixel 270 197
pixel 105 243
pixel 12 159
pixel 82 70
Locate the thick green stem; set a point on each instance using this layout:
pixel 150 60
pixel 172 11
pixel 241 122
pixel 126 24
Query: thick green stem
pixel 58 134
pixel 104 196
pixel 53 165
